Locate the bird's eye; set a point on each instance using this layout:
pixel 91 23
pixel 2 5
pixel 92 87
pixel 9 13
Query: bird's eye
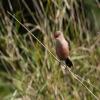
pixel 56 35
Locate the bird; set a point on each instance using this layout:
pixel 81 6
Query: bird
pixel 62 48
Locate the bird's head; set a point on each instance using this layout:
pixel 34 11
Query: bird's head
pixel 57 34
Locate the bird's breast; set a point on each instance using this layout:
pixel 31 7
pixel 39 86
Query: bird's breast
pixel 62 49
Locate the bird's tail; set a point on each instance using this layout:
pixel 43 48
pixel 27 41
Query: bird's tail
pixel 68 62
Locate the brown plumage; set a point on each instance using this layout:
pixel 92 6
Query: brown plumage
pixel 62 48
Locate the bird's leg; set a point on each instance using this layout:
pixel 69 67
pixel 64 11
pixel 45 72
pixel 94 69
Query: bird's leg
pixel 62 67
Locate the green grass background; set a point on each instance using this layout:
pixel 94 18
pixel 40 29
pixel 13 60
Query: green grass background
pixel 28 71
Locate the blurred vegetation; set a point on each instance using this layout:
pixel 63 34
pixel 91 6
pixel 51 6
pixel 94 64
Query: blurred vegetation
pixel 27 70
